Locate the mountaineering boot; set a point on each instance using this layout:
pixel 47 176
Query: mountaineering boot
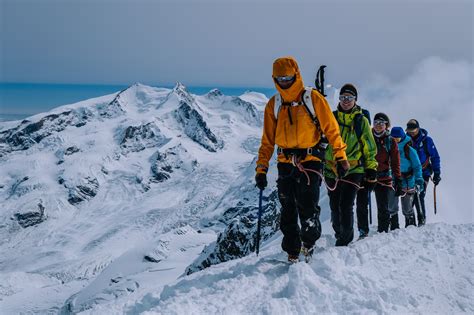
pixel 362 234
pixel 341 242
pixel 292 259
pixel 421 220
pixel 410 221
pixel 394 222
pixel 307 253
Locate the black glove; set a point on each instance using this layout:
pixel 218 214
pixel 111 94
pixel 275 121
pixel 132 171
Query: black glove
pixel 261 180
pixel 370 178
pixel 398 187
pixel 436 179
pixel 342 167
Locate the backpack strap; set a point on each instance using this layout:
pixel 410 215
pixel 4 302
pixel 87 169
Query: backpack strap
pixel 277 107
pixel 367 115
pixel 388 144
pixel 307 102
pixel 406 150
pixel 358 125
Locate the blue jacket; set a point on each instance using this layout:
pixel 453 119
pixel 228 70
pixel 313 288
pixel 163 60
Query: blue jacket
pixel 430 163
pixel 410 166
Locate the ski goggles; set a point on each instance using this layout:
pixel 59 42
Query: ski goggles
pixel 380 122
pixel 287 78
pixel 348 98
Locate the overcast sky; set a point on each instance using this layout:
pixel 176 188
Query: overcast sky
pixel 225 43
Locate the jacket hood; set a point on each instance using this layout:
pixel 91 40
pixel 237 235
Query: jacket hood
pixel 287 66
pixel 421 136
pixel 405 141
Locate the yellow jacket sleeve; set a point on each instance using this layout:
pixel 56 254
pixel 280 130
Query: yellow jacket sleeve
pixel 329 126
pixel 267 145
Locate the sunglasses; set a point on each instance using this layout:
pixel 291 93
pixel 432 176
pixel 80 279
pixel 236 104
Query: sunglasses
pixel 287 78
pixel 348 98
pixel 380 122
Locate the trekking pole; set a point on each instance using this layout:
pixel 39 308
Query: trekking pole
pixel 257 241
pixel 370 205
pixel 417 193
pixel 434 199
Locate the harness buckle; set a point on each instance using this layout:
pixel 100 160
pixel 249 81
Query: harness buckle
pixel 309 151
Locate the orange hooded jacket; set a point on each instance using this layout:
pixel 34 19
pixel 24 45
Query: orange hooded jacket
pixel 301 133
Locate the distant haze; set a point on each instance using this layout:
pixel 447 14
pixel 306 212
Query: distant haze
pixel 226 43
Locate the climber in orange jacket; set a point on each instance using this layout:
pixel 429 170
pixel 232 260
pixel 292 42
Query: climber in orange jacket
pixel 296 120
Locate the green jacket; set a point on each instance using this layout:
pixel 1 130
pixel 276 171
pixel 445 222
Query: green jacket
pixel 360 152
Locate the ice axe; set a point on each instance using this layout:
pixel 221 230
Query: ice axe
pixel 319 81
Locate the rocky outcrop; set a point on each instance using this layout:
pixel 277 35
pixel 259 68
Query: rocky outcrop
pixel 62 153
pixel 238 238
pixel 84 191
pixel 214 94
pixel 196 128
pixel 30 218
pixel 138 138
pixel 115 107
pixel 165 163
pixel 248 110
pixel 27 134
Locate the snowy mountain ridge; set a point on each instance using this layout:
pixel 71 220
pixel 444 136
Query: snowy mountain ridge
pixel 117 204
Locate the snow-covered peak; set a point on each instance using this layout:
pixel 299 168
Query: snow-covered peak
pixel 183 94
pixel 84 183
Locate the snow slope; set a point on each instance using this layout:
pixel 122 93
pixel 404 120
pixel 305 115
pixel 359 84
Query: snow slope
pixel 409 271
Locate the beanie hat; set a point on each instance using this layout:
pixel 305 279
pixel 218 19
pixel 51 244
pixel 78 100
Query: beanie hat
pixel 348 88
pixel 412 124
pixel 382 116
pixel 397 132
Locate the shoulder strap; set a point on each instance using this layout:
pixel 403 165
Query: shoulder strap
pixel 358 125
pixel 406 149
pixel 388 144
pixel 367 115
pixel 308 102
pixel 277 107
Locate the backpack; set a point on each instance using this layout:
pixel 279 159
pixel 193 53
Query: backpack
pixel 307 102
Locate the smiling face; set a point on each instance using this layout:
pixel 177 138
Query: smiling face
pixel 380 126
pixel 347 101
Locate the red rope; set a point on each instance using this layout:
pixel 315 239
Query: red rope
pixel 296 162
